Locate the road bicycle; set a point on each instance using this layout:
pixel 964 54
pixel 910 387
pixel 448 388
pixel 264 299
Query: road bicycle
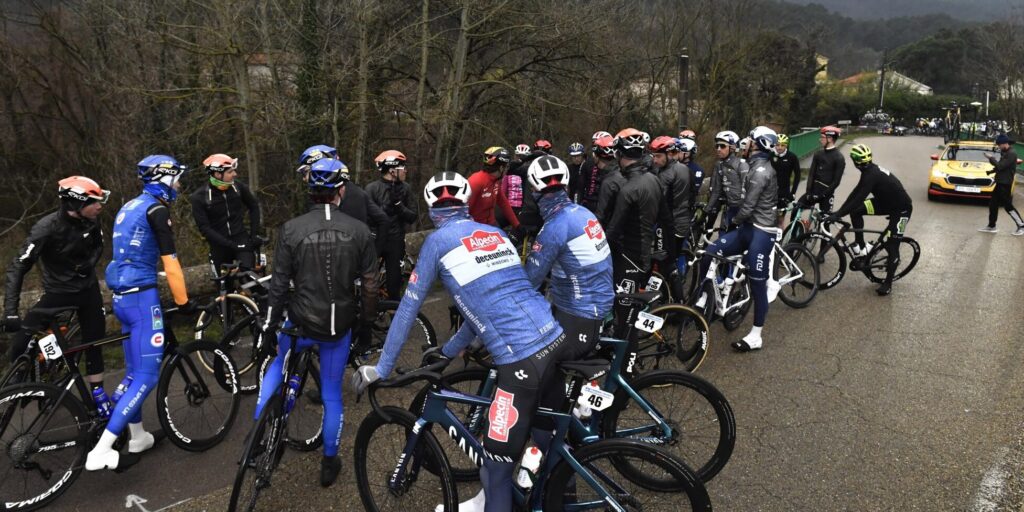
pixel 834 255
pixel 400 465
pixel 46 430
pixel 673 409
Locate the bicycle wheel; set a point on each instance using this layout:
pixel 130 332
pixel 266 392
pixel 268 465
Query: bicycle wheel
pixel 233 326
pixel 793 231
pixel 306 420
pixel 703 429
pixel 195 406
pixel 685 332
pixel 735 316
pixel 469 381
pixel 263 450
pixel 830 257
pixel 906 260
pixel 380 445
pixel 798 278
pixel 604 462
pixel 21 371
pixel 41 459
pixel 421 337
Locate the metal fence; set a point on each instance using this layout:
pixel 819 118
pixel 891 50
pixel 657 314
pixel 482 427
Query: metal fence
pixel 804 144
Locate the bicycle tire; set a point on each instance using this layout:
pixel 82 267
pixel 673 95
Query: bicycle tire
pixel 370 457
pixel 715 423
pixel 264 447
pixel 237 337
pixel 830 257
pixel 706 287
pixel 608 456
pixel 22 371
pixel 803 258
pixel 421 337
pixel 467 381
pixel 686 331
pixel 734 318
pixel 305 431
pixel 197 407
pixel 793 231
pixel 67 429
pixel 875 269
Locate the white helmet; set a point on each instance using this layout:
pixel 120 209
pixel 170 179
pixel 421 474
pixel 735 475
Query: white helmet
pixel 547 171
pixel 728 137
pixel 745 143
pixel 686 145
pixel 764 138
pixel 598 135
pixel 447 185
pixel 522 150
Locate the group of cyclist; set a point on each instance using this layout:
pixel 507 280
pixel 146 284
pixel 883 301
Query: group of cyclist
pixel 601 222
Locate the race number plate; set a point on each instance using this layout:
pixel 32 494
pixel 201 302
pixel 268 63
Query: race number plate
pixel 648 323
pixel 50 348
pixel 973 190
pixel 653 283
pixel 595 398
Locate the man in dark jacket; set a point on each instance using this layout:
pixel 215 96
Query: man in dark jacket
pixel 391 194
pixel 676 189
pixel 609 178
pixel 219 208
pixel 1005 169
pixel 787 171
pixel 323 253
pixel 827 166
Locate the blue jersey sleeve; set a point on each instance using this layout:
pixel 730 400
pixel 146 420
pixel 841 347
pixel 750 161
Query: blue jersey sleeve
pixel 544 253
pixel 463 337
pixel 420 281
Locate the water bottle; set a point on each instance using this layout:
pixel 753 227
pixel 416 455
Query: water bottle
pixel 103 405
pixel 121 389
pixel 293 392
pixel 528 467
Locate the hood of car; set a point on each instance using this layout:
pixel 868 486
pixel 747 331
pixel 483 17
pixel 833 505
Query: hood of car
pixel 963 168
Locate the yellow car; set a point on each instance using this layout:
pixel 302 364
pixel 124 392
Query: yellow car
pixel 960 171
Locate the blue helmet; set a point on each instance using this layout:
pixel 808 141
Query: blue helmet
pixel 315 153
pixel 159 173
pixel 576 149
pixel 327 173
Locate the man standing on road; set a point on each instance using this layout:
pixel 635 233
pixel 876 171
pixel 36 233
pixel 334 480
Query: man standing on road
pixel 787 171
pixel 219 207
pixel 1005 169
pixel 826 172
pixel 391 194
pixel 726 183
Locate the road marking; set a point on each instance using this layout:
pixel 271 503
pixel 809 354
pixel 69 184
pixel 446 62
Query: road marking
pixel 186 500
pixel 992 485
pixel 133 500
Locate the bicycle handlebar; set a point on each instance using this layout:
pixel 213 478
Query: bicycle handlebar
pixel 431 373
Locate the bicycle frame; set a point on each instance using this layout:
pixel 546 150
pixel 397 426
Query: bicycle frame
pixel 724 289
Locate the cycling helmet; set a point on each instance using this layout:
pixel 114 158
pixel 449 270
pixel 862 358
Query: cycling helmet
pixel 631 142
pixel 598 135
pixel 159 173
pixel 744 144
pixel 784 140
pixel 389 160
pixel 446 188
pixel 496 155
pixel 663 144
pixel 688 134
pixel 764 139
pixel 686 145
pixel 522 150
pixel 728 137
pixel 542 145
pixel 219 163
pixel 314 153
pixel 831 131
pixel 78 191
pixel 860 154
pixel 604 148
pixel 576 149
pixel 547 171
pixel 327 173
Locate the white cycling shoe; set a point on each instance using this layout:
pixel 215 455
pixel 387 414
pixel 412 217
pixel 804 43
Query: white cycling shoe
pixel 773 290
pixel 474 504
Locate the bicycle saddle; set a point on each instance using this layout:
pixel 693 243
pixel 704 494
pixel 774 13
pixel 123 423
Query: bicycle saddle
pixel 587 369
pixel 642 297
pixel 52 312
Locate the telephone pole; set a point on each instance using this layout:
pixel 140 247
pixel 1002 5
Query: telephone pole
pixel 684 92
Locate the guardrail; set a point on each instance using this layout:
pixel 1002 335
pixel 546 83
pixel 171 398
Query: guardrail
pixel 804 144
pixel 1019 149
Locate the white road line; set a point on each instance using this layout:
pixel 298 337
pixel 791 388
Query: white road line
pixel 990 494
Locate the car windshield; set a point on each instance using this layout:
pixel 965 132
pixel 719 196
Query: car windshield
pixel 965 154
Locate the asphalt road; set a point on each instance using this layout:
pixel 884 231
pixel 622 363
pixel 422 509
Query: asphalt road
pixel 859 402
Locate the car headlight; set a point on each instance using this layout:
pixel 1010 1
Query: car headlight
pixel 938 174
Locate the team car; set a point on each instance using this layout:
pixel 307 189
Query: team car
pixel 960 171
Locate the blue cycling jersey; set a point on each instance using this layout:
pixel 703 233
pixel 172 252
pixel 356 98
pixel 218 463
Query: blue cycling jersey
pixel 480 269
pixel 573 247
pixel 136 251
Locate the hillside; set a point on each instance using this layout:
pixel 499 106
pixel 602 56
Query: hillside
pixel 965 10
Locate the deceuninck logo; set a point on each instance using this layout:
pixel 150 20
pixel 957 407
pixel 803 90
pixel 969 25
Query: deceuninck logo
pixel 483 241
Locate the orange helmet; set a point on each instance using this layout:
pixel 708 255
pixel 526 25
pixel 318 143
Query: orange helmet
pixel 663 144
pixel 80 190
pixel 390 159
pixel 604 147
pixel 220 163
pixel 831 131
pixel 632 142
pixel 542 145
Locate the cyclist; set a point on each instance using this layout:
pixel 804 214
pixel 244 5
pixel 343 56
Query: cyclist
pixel 322 253
pixel 487 190
pixel 685 152
pixel 542 145
pixel 479 267
pixel 726 183
pixel 588 189
pixel 69 242
pixel 609 177
pixel 826 172
pixel 391 194
pixel 631 229
pixel 787 171
pixel 675 183
pixel 219 207
pixel 578 164
pixel 356 203
pixel 887 198
pixel 1005 170
pixel 142 236
pixel 753 230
